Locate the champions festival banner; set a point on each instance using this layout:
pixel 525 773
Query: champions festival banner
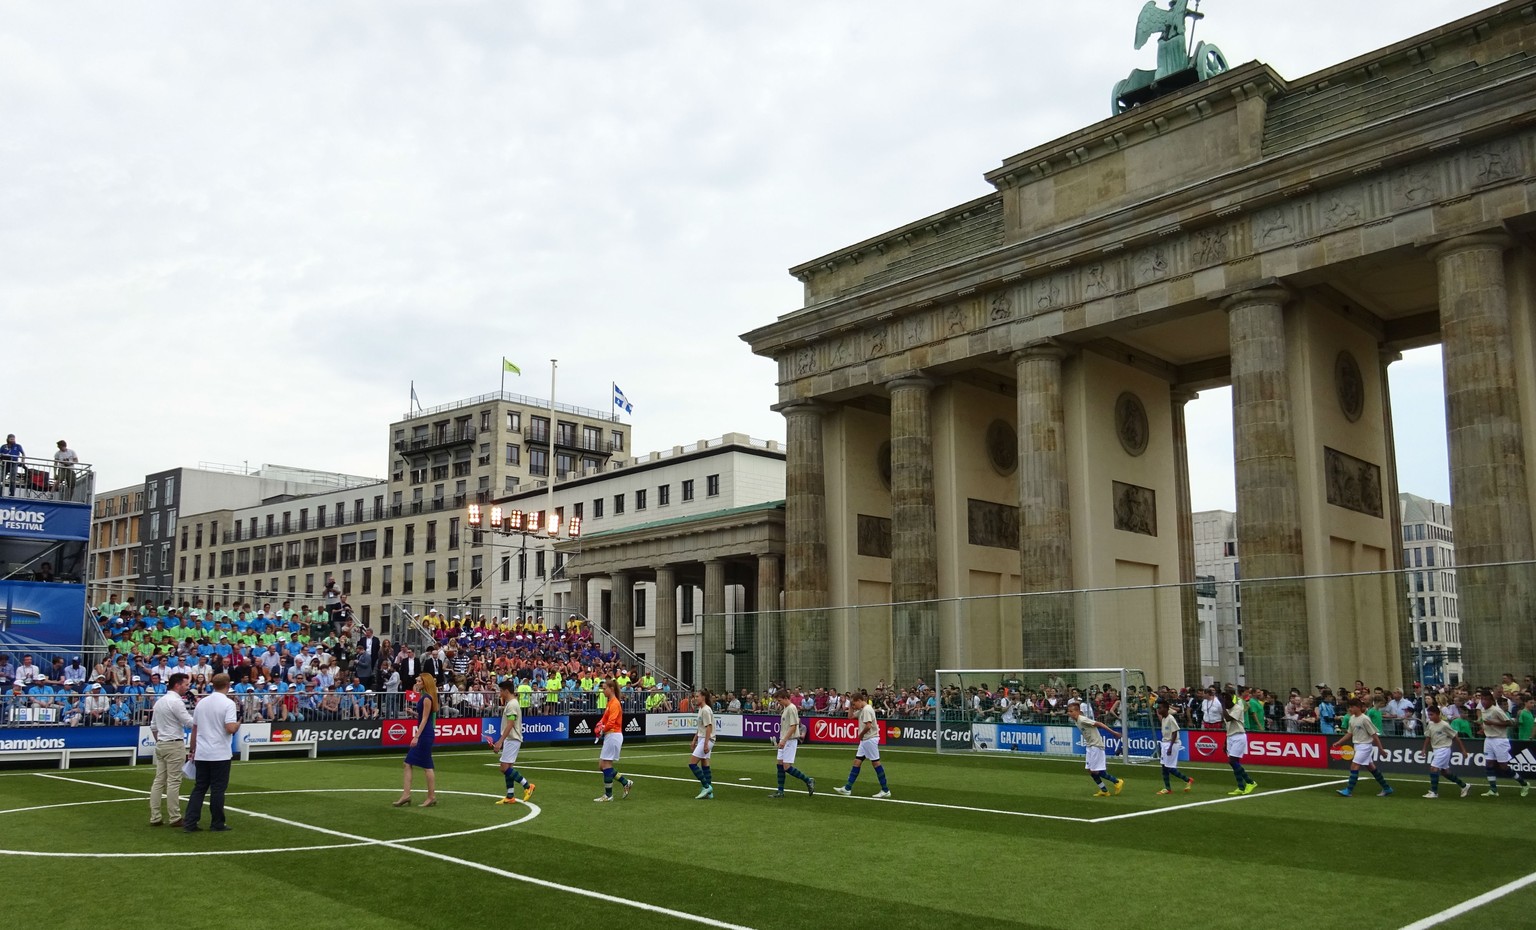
pixel 44 520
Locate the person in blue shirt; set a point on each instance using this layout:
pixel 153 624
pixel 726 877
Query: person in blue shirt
pixel 11 467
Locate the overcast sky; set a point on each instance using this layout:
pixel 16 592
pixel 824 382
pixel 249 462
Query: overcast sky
pixel 237 232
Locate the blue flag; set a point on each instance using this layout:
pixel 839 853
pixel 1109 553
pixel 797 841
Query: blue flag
pixel 622 402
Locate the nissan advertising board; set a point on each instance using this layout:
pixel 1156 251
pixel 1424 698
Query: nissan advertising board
pixel 1290 750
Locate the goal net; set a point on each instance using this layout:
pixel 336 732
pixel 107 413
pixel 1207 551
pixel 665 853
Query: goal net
pixel 1024 711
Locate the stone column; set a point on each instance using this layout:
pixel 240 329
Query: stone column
pixel 579 596
pixel 1276 639
pixel 770 624
pixel 712 649
pixel 807 636
pixel 1189 607
pixel 914 543
pixel 621 620
pixel 1045 519
pixel 666 620
pixel 1487 453
pixel 1396 596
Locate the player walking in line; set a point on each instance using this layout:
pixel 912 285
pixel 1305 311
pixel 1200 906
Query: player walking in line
pixel 869 746
pixel 1237 742
pixel 703 745
pixel 611 731
pixel 789 741
pixel 1361 730
pixel 511 742
pixel 1093 748
pixel 1496 757
pixel 1170 749
pixel 1438 737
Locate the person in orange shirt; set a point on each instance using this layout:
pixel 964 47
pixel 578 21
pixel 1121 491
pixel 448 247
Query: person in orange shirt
pixel 610 730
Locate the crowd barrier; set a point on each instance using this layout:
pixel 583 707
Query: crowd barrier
pixel 1286 750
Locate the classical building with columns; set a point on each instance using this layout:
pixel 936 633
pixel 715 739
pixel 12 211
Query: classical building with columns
pixel 989 401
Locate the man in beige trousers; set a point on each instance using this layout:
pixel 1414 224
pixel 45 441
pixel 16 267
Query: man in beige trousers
pixel 167 726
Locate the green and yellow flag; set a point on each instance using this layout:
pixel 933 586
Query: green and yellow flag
pixel 508 366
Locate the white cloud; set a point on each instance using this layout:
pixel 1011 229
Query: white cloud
pixel 237 231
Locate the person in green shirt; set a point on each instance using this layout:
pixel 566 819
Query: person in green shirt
pixel 1375 711
pixel 1253 712
pixel 524 694
pixel 648 681
pixel 1525 722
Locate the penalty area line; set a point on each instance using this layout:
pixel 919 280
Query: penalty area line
pixel 1224 800
pixel 1434 920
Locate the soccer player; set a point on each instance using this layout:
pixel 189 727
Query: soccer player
pixel 510 742
pixel 1170 749
pixel 869 746
pixel 703 745
pixel 1237 742
pixel 1496 756
pixel 1362 731
pixel 1093 748
pixel 611 731
pixel 1438 737
pixel 789 740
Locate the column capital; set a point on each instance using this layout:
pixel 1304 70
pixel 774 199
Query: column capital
pixel 1181 396
pixel 1271 294
pixel 1482 241
pixel 1045 348
pixel 912 379
pixel 1388 355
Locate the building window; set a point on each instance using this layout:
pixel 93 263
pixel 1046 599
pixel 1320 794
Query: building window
pixel 476 569
pixel 514 421
pixel 367 579
pixel 580 506
pixel 410 539
pixel 407 578
pixel 170 490
pixel 663 495
pixel 386 581
pixel 349 547
pixel 640 498
pixel 429 577
pixel 538 563
pixel 618 504
pixel 431 535
pixel 328 550
pixel 616 443
pixel 538 462
pixel 368 545
pixel 688 490
pixel 712 486
pixel 154 494
pixel 514 454
pixel 453 532
pixel 154 525
pixel 311 552
pixel 453 574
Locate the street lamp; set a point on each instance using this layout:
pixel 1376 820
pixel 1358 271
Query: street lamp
pixel 540 524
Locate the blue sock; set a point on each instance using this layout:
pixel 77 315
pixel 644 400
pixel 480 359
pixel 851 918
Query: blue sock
pixel 880 774
pixel 781 779
pixel 1455 780
pixel 509 775
pixel 1165 778
pixel 622 780
pixel 1181 776
pixel 1434 781
pixel 1493 776
pixel 1096 779
pixel 608 782
pixel 697 773
pixel 1241 773
pixel 1380 778
pixel 798 774
pixel 1111 779
pixel 853 775
pixel 709 775
pixel 1354 776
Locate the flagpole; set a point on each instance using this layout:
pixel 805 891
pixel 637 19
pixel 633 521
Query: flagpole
pixel 503 374
pixel 553 472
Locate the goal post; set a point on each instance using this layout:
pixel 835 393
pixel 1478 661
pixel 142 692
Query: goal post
pixel 1024 711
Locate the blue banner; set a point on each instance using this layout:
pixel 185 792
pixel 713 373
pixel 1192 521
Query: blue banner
pixel 1143 743
pixel 67 737
pixel 45 618
pixel 44 520
pixel 1020 738
pixel 539 729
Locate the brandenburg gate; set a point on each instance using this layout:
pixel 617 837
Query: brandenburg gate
pixel 990 400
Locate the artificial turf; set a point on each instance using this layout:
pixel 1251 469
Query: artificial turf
pixel 962 857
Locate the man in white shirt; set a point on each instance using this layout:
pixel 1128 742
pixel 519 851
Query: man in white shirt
pixel 167 725
pixel 64 462
pixel 28 674
pixel 212 724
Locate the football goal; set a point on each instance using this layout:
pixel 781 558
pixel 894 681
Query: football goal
pixel 1024 711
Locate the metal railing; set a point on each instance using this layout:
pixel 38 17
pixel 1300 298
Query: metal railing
pixel 520 399
pixel 38 479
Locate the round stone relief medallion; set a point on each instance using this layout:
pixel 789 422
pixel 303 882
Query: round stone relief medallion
pixel 1131 423
pixel 1002 447
pixel 1350 385
pixel 883 464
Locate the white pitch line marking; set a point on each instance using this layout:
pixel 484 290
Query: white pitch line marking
pixel 857 797
pixel 467 863
pixel 1486 897
pixel 1222 800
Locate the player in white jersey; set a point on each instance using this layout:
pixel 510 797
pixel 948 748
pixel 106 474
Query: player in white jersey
pixel 703 745
pixel 1169 749
pixel 1496 757
pixel 788 742
pixel 1438 737
pixel 1361 730
pixel 869 746
pixel 1093 749
pixel 1237 740
pixel 511 742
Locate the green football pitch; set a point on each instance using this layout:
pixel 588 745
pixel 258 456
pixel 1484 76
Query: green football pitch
pixel 968 841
